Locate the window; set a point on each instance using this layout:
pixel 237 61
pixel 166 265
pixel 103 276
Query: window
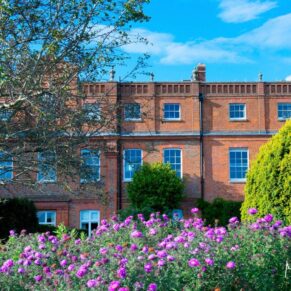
pixel 174 158
pixel 90 167
pixel 238 164
pixel 132 111
pixel 237 111
pixel 46 167
pixel 172 111
pixel 5 114
pixel 92 111
pixel 6 167
pixel 47 217
pixel 284 111
pixel 132 160
pixel 89 220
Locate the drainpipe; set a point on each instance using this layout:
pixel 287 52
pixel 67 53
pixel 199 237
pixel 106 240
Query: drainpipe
pixel 201 97
pixel 119 150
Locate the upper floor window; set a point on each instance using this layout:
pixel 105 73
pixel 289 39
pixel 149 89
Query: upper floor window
pixel 172 111
pixel 90 167
pixel 47 167
pixel 47 217
pixel 174 158
pixel 89 220
pixel 92 111
pixel 284 111
pixel 6 167
pixel 238 164
pixel 132 160
pixel 237 111
pixel 132 111
pixel 5 114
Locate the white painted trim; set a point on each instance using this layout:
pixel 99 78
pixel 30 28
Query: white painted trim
pixel 181 151
pixel 237 180
pixel 123 163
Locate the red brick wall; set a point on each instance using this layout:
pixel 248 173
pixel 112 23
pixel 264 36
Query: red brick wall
pixel 216 153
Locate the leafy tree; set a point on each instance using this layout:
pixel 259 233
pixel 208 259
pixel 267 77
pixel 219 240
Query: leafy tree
pixel 155 186
pixel 268 186
pixel 46 46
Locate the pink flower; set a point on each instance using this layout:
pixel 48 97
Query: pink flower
pixel 148 267
pixel 230 265
pixel 193 263
pixel 38 278
pixel 136 234
pixel 268 218
pixel 194 210
pixel 121 273
pixel 92 283
pixel 113 285
pixel 209 261
pixel 252 211
pixel 152 287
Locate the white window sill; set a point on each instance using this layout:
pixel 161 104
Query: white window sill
pixel 127 180
pixel 238 181
pixel 238 119
pixel 283 119
pixel 89 182
pixel 172 119
pixel 47 181
pixel 133 119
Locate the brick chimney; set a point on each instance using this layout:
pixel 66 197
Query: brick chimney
pixel 201 72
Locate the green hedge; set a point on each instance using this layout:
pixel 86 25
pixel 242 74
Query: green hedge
pixel 155 186
pixel 219 211
pixel 268 186
pixel 17 214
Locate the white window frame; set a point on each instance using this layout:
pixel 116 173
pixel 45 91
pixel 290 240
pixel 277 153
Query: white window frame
pixel 171 118
pixel 181 157
pixel 124 161
pixel 46 212
pixel 130 118
pixel 237 118
pixel 92 115
pixel 89 221
pixel 282 103
pixel 3 167
pixel 234 180
pixel 86 180
pixel 45 180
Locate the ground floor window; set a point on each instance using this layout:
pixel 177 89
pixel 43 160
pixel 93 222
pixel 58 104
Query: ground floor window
pixel 89 220
pixel 47 217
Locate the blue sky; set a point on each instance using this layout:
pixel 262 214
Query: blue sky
pixel 236 39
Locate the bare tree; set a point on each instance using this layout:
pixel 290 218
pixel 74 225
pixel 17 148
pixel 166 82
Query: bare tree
pixel 47 47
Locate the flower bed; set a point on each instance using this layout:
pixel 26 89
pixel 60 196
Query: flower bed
pixel 158 254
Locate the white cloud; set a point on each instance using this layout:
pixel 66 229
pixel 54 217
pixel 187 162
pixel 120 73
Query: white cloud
pixel 288 78
pixel 236 11
pixel 275 35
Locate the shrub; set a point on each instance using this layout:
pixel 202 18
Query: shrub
pixel 17 214
pixel 157 254
pixel 155 186
pixel 219 211
pixel 268 186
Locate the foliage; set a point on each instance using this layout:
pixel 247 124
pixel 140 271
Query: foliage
pixel 219 211
pixel 268 186
pixel 46 47
pixel 155 186
pixel 157 254
pixel 17 214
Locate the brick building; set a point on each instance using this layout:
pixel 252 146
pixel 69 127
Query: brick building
pixel 208 132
